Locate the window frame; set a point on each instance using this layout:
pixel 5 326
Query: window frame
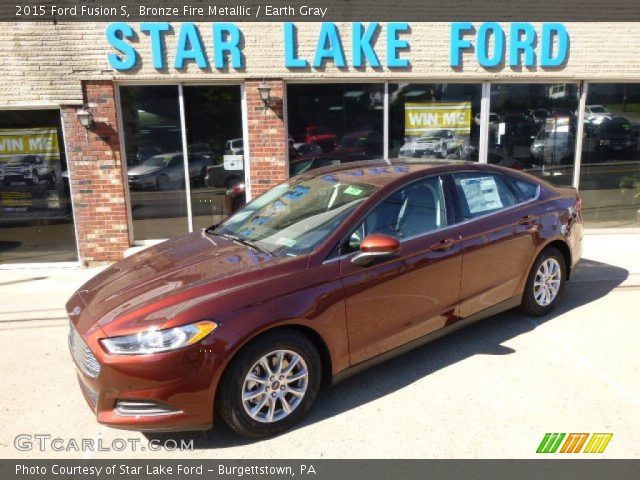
pixel 119 84
pixel 460 220
pixel 338 251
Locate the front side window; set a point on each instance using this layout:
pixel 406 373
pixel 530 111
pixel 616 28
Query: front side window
pixel 295 218
pixel 414 210
pixel 482 193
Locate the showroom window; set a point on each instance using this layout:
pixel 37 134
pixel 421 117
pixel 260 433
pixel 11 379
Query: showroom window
pixel 36 220
pixel 434 120
pixel 214 129
pixel 163 204
pixel 610 166
pixel 334 123
pixel 532 127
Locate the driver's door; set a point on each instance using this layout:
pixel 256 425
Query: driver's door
pixel 399 299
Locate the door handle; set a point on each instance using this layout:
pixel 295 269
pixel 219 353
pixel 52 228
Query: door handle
pixel 443 245
pixel 527 220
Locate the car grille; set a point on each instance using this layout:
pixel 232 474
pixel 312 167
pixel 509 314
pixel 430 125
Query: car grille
pixel 142 407
pixel 82 355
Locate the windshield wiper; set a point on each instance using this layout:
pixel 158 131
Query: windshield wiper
pixel 244 241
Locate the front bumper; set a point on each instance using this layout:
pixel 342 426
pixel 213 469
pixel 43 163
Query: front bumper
pixel 182 382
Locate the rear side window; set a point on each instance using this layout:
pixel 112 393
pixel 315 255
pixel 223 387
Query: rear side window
pixel 527 190
pixel 481 193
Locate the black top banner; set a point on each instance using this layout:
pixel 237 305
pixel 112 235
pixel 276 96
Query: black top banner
pixel 318 10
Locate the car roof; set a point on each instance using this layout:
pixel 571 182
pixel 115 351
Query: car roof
pixel 381 173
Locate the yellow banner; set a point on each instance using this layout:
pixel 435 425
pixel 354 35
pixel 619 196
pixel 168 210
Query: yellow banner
pixel 422 117
pixel 29 141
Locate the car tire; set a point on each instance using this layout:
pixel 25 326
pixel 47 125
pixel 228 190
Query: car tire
pixel 545 283
pixel 236 382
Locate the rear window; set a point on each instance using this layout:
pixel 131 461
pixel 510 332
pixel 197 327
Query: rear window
pixel 528 190
pixel 482 193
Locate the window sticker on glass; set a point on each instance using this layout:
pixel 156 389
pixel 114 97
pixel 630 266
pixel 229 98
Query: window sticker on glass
pixel 351 190
pixel 481 194
pixel 288 242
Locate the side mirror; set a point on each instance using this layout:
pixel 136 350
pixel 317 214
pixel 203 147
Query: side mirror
pixel 374 247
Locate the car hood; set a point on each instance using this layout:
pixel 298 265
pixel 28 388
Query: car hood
pixel 143 170
pixel 158 284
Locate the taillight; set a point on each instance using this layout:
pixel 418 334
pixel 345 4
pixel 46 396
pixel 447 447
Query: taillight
pixel 579 203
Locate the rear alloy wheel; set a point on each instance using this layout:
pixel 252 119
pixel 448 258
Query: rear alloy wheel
pixel 270 385
pixel 545 283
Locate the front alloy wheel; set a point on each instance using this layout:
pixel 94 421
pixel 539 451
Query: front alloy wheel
pixel 275 386
pixel 270 384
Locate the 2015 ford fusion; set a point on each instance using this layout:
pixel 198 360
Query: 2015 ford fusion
pixel 320 277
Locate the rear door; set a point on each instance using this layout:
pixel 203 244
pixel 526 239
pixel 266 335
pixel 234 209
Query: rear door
pixel 499 233
pixel 403 298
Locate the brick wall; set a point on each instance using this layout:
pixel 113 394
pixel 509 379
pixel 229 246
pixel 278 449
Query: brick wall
pixel 96 176
pixel 267 136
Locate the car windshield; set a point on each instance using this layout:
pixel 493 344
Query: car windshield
pixel 296 217
pixel 598 110
pixel 157 161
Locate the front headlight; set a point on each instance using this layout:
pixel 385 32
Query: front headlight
pixel 156 341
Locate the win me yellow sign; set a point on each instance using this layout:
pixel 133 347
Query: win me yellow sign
pixel 31 141
pixel 422 117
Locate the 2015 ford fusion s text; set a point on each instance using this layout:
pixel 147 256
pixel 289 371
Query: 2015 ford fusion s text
pixel 316 279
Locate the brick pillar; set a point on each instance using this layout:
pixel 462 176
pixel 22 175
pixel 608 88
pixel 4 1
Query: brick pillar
pixel 96 176
pixel 267 136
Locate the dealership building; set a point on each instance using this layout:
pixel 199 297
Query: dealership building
pixel 118 135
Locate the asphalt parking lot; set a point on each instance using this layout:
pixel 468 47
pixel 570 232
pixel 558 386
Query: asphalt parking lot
pixel 491 390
